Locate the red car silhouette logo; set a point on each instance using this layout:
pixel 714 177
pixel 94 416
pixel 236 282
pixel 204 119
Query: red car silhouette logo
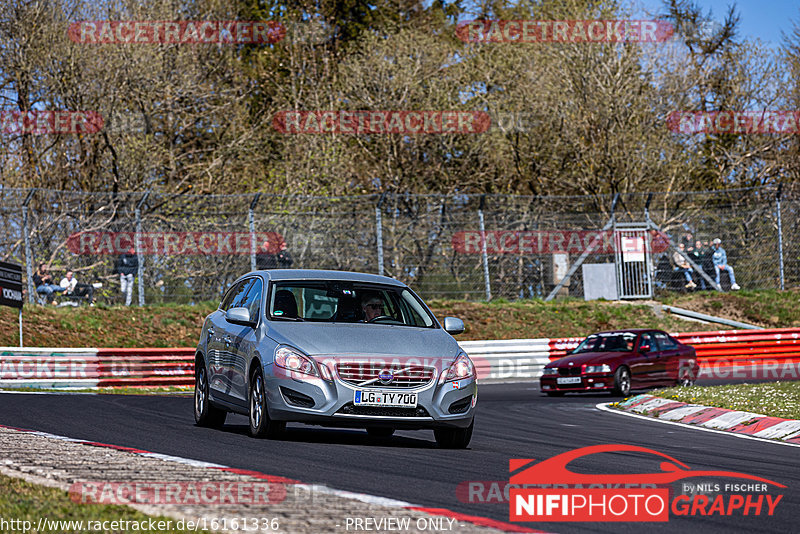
pixel 555 471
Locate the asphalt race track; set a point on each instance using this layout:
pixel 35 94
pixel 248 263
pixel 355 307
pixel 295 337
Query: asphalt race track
pixel 513 421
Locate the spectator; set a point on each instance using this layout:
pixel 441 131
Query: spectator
pixel 683 266
pixel 76 289
pixel 688 242
pixel 126 266
pixel 720 259
pixel 701 255
pixel 44 283
pixel 267 260
pixel 372 305
pixel 708 261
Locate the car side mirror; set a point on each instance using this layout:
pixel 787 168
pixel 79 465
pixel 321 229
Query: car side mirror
pixel 644 348
pixel 453 326
pixel 240 316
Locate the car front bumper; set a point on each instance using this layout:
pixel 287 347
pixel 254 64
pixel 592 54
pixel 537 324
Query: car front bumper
pixel 289 398
pixel 593 382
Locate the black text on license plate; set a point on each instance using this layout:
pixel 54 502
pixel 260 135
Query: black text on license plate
pixel 568 380
pixel 385 398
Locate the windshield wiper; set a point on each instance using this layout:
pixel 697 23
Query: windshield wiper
pixel 282 318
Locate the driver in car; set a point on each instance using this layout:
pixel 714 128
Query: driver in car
pixel 372 306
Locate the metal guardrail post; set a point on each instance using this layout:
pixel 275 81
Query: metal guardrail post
pixel 484 254
pixel 138 244
pixel 28 254
pixel 251 220
pixel 780 232
pixel 379 232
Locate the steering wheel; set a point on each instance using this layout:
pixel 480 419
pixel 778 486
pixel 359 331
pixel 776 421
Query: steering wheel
pixel 381 317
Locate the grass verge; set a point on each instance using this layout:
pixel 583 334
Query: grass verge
pixel 776 399
pixel 22 501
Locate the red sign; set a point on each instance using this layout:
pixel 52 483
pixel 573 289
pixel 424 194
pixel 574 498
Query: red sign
pixel 545 242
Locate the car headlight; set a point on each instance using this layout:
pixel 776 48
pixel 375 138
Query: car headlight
pixel 550 371
pixel 296 362
pixel 605 368
pixel 462 367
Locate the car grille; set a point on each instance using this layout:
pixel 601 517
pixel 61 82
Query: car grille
pixel 569 371
pixel 352 409
pixel 354 373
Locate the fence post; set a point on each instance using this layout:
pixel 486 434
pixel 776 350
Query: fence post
pixel 251 219
pixel 780 233
pixel 138 244
pixel 379 232
pixel 483 249
pixel 28 255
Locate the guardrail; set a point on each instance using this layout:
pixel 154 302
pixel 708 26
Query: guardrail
pixel 773 353
pixel 90 368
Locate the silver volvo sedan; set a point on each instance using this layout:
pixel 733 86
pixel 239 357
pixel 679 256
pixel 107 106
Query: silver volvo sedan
pixel 336 349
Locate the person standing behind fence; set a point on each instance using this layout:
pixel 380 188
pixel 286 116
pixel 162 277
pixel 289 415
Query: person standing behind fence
pixel 720 258
pixel 127 265
pixel 700 256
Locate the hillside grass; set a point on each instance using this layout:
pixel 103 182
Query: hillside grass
pixel 179 325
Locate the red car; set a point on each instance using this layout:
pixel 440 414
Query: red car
pixel 621 361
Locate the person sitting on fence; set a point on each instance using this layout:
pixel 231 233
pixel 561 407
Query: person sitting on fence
pixel 44 283
pixel 683 266
pixel 720 259
pixel 73 288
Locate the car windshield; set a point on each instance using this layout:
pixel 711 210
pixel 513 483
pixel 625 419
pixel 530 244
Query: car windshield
pixel 617 342
pixel 347 302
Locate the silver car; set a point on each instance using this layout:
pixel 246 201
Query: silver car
pixel 335 349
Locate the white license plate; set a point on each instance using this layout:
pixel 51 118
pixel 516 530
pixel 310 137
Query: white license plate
pixel 385 398
pixel 568 380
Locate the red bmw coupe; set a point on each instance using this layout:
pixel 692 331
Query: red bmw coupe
pixel 620 361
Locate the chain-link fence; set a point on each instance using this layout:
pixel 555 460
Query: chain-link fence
pixel 191 247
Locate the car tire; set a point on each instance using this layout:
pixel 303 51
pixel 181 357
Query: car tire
pixel 205 414
pixel 454 438
pixel 555 393
pixel 380 432
pixel 261 426
pixel 622 382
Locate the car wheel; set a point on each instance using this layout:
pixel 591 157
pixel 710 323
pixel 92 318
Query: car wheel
pixel 622 381
pixel 555 393
pixel 380 432
pixel 454 438
pixel 205 414
pixel 685 378
pixel 261 426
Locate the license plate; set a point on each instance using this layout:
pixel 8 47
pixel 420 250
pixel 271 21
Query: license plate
pixel 568 380
pixel 385 398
